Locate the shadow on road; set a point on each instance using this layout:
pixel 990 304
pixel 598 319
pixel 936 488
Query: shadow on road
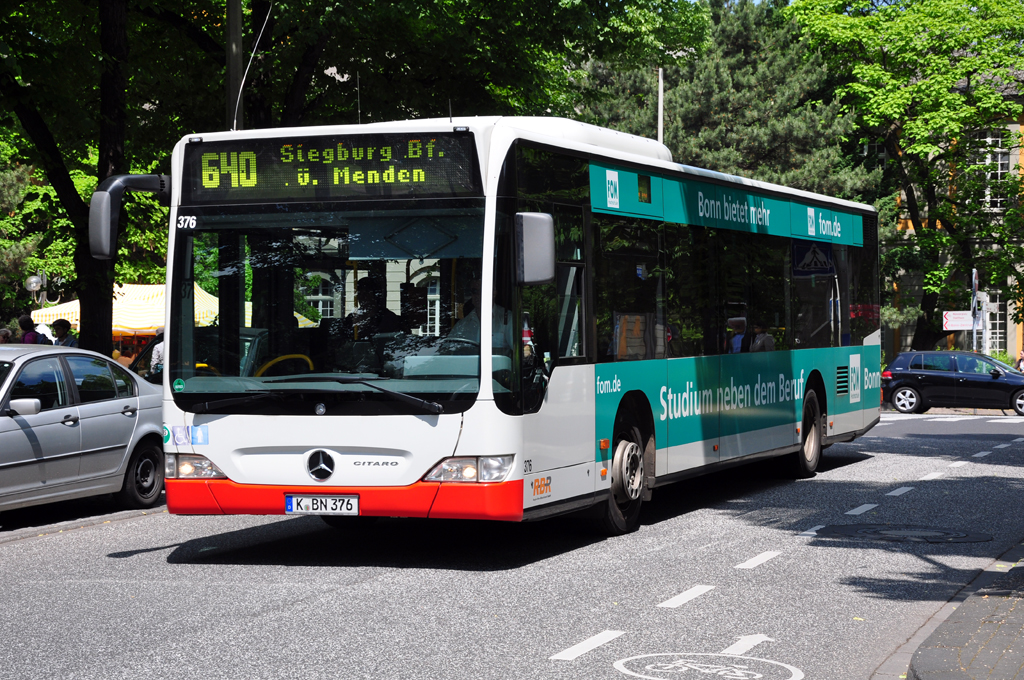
pixel 81 509
pixel 393 543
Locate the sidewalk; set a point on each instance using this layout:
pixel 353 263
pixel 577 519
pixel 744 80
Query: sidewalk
pixel 983 637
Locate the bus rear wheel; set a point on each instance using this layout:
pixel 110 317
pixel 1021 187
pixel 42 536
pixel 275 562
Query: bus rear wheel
pixel 807 458
pixel 621 515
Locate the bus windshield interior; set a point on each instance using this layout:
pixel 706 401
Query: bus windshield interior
pixel 332 308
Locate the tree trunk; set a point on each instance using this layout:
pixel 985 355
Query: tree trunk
pixel 924 336
pixel 96 277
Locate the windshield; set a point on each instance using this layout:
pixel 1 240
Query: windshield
pixel 312 303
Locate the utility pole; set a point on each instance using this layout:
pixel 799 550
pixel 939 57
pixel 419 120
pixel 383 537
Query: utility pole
pixel 234 65
pixel 661 105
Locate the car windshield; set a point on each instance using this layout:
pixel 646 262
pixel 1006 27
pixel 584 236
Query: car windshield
pixel 377 292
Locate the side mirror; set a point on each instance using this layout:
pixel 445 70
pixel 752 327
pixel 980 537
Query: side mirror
pixel 24 407
pixel 106 205
pixel 995 373
pixel 535 243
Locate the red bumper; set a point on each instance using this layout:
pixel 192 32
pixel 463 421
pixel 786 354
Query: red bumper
pixel 423 499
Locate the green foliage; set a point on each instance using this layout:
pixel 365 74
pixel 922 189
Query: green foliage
pixel 929 79
pixel 759 104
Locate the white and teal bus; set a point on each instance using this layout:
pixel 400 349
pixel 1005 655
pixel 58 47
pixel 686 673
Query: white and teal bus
pixel 649 321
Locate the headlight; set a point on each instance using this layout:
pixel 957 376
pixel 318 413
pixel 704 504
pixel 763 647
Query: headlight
pixel 495 468
pixel 197 467
pixel 465 469
pixel 170 466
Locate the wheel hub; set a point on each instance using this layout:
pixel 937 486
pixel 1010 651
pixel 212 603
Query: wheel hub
pixel 627 469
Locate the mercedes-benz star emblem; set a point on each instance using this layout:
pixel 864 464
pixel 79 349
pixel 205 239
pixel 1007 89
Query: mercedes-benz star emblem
pixel 320 465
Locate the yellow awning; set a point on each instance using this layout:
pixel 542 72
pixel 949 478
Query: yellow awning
pixel 139 309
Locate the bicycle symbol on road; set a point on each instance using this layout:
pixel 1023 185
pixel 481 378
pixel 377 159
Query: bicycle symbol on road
pixel 662 666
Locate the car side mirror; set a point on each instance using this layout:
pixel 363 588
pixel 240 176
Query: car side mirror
pixel 535 241
pixel 995 373
pixel 24 407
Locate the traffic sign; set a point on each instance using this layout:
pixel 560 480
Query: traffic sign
pixel 957 321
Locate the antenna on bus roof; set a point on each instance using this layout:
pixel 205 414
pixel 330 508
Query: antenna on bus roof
pixel 450 109
pixel 241 86
pixel 359 102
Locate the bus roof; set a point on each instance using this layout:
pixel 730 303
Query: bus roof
pixel 560 132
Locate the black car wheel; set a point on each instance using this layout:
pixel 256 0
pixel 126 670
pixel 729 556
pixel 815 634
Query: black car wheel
pixel 1018 403
pixel 906 400
pixel 144 479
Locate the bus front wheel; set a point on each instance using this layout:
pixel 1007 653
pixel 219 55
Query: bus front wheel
pixel 621 514
pixel 807 458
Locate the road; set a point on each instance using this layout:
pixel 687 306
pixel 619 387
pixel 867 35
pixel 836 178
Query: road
pixel 728 563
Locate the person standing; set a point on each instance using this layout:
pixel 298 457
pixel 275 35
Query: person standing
pixel 156 359
pixel 61 328
pixel 28 330
pixel 763 340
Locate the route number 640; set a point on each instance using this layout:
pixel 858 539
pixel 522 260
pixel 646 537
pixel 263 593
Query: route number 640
pixel 187 222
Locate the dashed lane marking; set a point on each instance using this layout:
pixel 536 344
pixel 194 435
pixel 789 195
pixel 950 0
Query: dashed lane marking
pixel 683 598
pixel 587 645
pixel 1019 439
pixel 759 560
pixel 812 532
pixel 959 463
pixel 1000 446
pixel 981 454
pixel 861 509
pixel 900 491
pixel 931 475
pixel 745 643
pixel 949 419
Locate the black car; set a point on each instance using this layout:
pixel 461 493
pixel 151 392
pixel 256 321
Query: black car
pixel 916 381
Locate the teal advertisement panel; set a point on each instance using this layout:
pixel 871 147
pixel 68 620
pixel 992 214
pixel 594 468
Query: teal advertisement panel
pixel 714 399
pixel 692 201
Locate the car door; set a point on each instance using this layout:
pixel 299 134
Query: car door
pixel 935 378
pixel 978 386
pixel 39 452
pixel 109 409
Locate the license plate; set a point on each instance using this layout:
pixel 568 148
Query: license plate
pixel 321 505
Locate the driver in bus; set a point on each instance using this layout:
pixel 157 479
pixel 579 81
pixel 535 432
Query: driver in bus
pixel 468 327
pixel 372 315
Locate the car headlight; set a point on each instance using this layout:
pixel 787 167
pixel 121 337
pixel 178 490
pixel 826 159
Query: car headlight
pixel 196 467
pixel 471 469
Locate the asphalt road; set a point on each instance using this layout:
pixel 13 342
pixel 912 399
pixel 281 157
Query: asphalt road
pixel 725 564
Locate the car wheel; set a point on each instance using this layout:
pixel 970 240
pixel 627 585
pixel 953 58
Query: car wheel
pixel 1018 403
pixel 144 479
pixel 906 400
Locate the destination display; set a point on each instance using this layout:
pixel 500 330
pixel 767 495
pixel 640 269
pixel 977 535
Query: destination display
pixel 333 167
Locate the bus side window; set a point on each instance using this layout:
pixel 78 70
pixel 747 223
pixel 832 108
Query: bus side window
pixel 691 328
pixel 628 288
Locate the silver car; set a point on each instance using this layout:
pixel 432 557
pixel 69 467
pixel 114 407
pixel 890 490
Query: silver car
pixel 74 423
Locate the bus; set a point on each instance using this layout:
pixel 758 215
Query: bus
pixel 650 321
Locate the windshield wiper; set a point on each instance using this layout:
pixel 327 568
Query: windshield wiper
pixel 207 406
pixel 428 406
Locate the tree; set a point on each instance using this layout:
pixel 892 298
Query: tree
pixel 931 79
pixel 759 104
pixel 137 75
